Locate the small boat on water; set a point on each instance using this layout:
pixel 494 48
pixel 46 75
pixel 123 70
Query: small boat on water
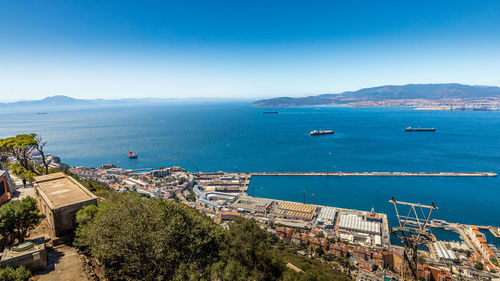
pixel 270 112
pixel 131 154
pixel 410 129
pixel 321 132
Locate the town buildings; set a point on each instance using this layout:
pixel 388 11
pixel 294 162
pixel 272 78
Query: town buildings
pixel 431 273
pixel 361 237
pixel 226 216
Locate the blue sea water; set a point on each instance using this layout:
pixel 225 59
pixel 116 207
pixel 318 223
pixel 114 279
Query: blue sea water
pixel 238 137
pixel 446 235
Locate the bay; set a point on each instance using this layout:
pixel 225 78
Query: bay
pixel 238 137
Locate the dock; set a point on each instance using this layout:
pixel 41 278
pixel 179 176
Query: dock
pixel 142 169
pixel 379 174
pixel 495 231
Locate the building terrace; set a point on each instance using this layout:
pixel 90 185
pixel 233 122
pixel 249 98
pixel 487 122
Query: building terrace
pixel 59 197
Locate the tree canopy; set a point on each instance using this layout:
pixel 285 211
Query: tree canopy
pixel 18 217
pixel 136 238
pixel 478 266
pixel 22 147
pixel 143 239
pixel 247 255
pixel 17 274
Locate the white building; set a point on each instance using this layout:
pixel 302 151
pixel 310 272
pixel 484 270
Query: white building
pixel 442 252
pixel 352 222
pixel 162 172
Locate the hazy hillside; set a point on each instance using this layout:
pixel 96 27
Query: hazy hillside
pixel 62 101
pixel 389 92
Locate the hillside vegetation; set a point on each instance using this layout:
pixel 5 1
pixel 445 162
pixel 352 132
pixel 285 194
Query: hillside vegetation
pixel 135 238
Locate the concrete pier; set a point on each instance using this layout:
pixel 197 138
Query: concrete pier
pixel 495 231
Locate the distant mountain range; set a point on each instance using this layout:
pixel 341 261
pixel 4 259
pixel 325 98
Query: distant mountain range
pixel 390 95
pixel 399 95
pixel 60 100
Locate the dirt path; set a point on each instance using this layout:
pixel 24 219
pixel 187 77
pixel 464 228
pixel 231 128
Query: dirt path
pixel 63 263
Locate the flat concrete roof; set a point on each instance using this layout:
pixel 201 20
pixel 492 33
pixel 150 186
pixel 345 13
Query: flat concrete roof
pixel 61 190
pixel 8 253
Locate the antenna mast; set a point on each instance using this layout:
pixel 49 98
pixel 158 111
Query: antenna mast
pixel 413 231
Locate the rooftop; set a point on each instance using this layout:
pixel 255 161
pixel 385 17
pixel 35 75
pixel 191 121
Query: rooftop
pixel 28 247
pixel 61 190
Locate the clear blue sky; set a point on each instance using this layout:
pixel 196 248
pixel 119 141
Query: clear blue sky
pixel 115 49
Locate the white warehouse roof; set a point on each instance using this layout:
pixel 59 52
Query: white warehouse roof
pixel 327 213
pixel 356 223
pixel 442 252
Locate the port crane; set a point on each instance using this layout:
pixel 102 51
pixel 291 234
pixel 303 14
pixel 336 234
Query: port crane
pixel 413 230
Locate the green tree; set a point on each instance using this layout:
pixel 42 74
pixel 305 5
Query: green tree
pixel 248 254
pixel 21 147
pixel 319 251
pixel 18 217
pixel 136 238
pixel 83 218
pixel 478 266
pixel 17 274
pixel 21 172
pixel 191 197
pixel 86 215
pixel 312 269
pixel 6 224
pixel 174 196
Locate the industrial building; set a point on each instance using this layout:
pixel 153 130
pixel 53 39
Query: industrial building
pixel 211 204
pixel 294 210
pixel 442 252
pixel 374 217
pixel 221 196
pixel 59 198
pixel 203 199
pixel 326 217
pixel 198 192
pixel 327 214
pixel 136 183
pixel 353 222
pixel 252 204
